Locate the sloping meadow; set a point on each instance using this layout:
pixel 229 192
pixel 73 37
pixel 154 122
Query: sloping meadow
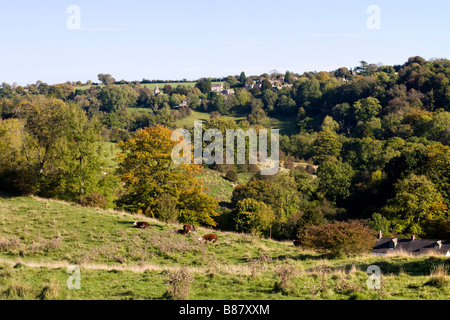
pixel 40 239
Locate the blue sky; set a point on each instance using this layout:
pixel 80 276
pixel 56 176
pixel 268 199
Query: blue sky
pixel 176 39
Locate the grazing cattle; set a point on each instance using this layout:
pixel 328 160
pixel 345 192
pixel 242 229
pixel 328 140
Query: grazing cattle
pixel 142 224
pixel 208 238
pixel 297 243
pixel 188 228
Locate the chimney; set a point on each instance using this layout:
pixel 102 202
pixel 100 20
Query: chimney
pixel 393 243
pixel 380 235
pixel 413 237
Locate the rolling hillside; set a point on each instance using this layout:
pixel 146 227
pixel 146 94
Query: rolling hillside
pixel 40 238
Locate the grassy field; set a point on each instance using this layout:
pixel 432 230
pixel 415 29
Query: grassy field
pixel 172 84
pixel 220 188
pixel 40 238
pixel 286 125
pixel 152 85
pixel 202 116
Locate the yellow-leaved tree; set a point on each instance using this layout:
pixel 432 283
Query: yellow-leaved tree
pixel 148 172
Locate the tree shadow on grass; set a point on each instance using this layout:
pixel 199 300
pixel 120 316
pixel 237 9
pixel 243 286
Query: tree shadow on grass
pixel 413 266
pixel 304 256
pixel 130 224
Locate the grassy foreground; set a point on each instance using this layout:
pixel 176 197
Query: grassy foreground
pixel 40 238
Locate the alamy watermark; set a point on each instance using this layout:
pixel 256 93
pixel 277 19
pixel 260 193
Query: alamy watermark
pixel 374 20
pixel 257 147
pixel 73 22
pixel 74 281
pixel 374 280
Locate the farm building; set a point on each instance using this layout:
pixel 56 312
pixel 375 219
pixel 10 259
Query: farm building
pixel 384 246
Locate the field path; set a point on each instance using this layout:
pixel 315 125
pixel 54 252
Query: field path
pixel 230 269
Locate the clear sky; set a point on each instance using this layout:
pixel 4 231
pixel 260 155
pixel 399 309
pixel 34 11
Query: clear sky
pixel 177 39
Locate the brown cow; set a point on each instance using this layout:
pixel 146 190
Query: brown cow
pixel 142 224
pixel 208 238
pixel 188 228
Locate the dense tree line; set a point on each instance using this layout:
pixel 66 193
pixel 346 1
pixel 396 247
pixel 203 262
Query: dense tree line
pixel 379 135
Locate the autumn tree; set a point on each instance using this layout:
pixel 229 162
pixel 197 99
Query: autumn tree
pixel 339 238
pixel 147 171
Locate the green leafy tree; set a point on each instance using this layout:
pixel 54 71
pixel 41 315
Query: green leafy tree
pixel 416 203
pixel 266 85
pixel 116 98
pixel 366 109
pixel 204 86
pixel 106 79
pixel 335 179
pixel 167 208
pixel 61 152
pixel 252 216
pixel 327 145
pixel 258 190
pixel 438 168
pixel 242 78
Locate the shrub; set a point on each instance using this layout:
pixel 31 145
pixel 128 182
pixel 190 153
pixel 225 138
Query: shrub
pixel 17 290
pixel 339 238
pixel 232 175
pixel 438 276
pixel 253 168
pixel 51 291
pixel 178 284
pixel 289 165
pixel 310 169
pixel 94 200
pixel 285 274
pixel 167 208
pixel 223 168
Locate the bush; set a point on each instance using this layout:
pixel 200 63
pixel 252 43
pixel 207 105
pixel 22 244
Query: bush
pixel 178 284
pixel 232 176
pixel 289 165
pixel 285 275
pixel 223 168
pixel 339 238
pixel 253 168
pixel 167 208
pixel 94 200
pixel 439 276
pixel 310 169
pixel 51 291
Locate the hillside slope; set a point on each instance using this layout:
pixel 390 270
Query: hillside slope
pixel 40 238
